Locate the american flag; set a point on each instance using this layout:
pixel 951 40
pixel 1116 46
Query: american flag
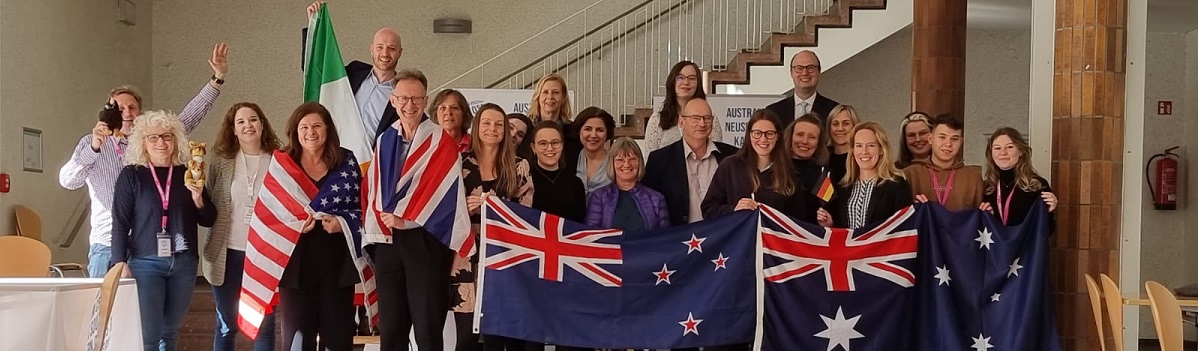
pixel 287 199
pixel 419 180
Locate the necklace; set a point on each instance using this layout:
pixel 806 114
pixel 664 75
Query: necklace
pixel 250 180
pixel 551 180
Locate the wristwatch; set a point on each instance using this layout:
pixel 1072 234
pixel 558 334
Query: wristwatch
pixel 217 80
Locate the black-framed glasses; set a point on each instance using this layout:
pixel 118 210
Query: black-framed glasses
pixel 767 134
pixel 546 144
pixel 154 138
pixel 403 100
pixel 682 78
pixel 804 68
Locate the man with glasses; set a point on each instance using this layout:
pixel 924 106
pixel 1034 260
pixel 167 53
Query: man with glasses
pixel 804 72
pixel 693 159
pixel 411 265
pixel 99 156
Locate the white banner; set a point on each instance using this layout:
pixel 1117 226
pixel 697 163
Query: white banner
pixel 731 112
pixel 511 100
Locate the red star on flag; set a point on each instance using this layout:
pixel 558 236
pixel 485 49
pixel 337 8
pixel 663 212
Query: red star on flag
pixel 663 275
pixel 690 325
pixel 720 261
pixel 694 244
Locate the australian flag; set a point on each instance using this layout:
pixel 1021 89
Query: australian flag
pixel 984 286
pixel 550 280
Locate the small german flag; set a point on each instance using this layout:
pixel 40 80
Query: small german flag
pixel 824 189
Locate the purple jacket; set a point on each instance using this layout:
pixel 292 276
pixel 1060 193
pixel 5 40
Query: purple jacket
pixel 601 206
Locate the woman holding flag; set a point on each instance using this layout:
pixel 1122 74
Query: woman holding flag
pixel 491 167
pixel 310 199
pixel 872 189
pixel 1012 185
pixel 760 173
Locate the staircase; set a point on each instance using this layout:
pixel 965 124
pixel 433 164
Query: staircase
pixel 621 62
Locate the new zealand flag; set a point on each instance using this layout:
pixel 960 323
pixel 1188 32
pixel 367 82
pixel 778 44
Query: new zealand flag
pixel 563 283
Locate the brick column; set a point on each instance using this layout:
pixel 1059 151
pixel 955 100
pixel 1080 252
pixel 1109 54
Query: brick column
pixel 1087 160
pixel 938 57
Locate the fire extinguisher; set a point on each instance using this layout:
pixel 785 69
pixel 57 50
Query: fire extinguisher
pixel 1164 197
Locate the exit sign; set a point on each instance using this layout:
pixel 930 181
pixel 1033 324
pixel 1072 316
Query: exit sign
pixel 1164 108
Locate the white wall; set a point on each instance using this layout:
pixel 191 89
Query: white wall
pixel 60 58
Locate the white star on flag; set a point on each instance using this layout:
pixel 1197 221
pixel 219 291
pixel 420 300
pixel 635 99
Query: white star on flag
pixel 720 262
pixel 690 325
pixel 663 275
pixel 1015 267
pixel 347 185
pixel 355 173
pixel 324 201
pixel 994 298
pixel 942 275
pixel 981 343
pixel 984 239
pixel 353 163
pixel 840 331
pixel 344 174
pixel 336 188
pixel 337 200
pixel 694 244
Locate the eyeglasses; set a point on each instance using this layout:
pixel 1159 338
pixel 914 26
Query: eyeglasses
pixel 802 68
pixel 768 134
pixel 700 118
pixel 681 78
pixel 154 138
pixel 547 144
pixel 404 100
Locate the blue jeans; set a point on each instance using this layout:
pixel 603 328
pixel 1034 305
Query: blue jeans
pixel 99 259
pixel 164 287
pixel 227 296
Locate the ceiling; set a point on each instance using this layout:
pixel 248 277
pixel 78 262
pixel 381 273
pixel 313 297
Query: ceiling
pixel 1178 16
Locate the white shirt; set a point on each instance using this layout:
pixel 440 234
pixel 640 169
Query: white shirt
pixel 799 105
pixel 699 171
pixel 245 168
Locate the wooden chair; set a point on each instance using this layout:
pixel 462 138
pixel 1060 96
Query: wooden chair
pixel 1114 309
pixel 1096 307
pixel 23 257
pixel 29 225
pixel 1167 315
pixel 107 296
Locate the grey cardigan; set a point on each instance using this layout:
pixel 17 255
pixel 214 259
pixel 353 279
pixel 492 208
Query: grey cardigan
pixel 220 179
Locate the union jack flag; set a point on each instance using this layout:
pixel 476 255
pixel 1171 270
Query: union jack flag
pixel 840 251
pixel 287 200
pixel 419 180
pixel 548 242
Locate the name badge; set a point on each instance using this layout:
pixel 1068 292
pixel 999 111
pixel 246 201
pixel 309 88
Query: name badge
pixel 164 244
pixel 249 213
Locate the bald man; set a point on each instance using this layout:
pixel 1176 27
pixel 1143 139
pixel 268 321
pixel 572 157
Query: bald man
pixel 372 82
pixel 682 171
pixel 804 73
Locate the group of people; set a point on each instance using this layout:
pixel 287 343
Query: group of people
pixel 144 213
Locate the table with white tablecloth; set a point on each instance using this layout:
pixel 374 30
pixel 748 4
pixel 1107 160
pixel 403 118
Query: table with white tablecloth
pixel 56 314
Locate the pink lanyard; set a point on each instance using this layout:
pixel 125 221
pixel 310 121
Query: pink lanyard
pixel 163 193
pixel 120 151
pixel 942 196
pixel 1004 211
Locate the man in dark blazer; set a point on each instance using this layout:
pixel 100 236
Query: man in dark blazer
pixel 374 103
pixel 804 72
pixel 682 171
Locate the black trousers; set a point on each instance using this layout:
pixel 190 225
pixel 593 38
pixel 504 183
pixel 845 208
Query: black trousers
pixel 412 276
pixel 325 312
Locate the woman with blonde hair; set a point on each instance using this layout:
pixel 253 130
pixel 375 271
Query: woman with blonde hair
pixel 550 100
pixel 841 121
pixel 490 167
pixel 154 219
pixel 916 131
pixel 243 148
pixel 872 189
pixel 1011 184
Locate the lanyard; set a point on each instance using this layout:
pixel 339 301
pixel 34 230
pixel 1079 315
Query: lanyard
pixel 1003 212
pixel 942 196
pixel 251 179
pixel 116 143
pixel 163 193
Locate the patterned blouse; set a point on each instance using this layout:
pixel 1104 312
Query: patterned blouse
pixel 859 202
pixel 461 276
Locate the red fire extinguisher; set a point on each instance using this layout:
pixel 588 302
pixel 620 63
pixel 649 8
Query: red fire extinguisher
pixel 1164 196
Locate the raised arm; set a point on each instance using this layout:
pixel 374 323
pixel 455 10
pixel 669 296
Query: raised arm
pixel 202 102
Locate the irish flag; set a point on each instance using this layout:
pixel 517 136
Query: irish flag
pixel 325 81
